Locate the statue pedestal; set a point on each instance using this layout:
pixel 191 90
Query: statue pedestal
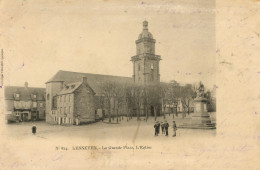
pixel 200 119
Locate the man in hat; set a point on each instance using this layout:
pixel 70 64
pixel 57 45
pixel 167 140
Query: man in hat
pixel 166 126
pixel 174 129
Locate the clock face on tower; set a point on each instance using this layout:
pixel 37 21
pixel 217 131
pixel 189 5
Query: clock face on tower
pixel 146 63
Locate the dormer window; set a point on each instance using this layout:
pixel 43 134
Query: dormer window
pixel 34 96
pixel 67 87
pixel 72 86
pixel 17 95
pixel 152 66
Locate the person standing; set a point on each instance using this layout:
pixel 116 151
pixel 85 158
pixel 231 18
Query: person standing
pixel 174 129
pixel 155 129
pixel 158 127
pixel 34 129
pixel 162 126
pixel 166 126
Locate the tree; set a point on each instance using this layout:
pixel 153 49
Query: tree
pixel 163 89
pixel 109 89
pixel 174 93
pixel 210 94
pixel 187 95
pixel 119 97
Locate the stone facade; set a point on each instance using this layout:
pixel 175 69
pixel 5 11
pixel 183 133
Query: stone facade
pixel 84 104
pixel 24 103
pixel 145 68
pixel 52 89
pixel 145 62
pixel 73 104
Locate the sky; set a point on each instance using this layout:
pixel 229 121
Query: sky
pixel 41 37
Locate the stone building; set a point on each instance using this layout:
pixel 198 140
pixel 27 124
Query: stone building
pixel 146 69
pixel 24 103
pixel 74 104
pixel 146 62
pixel 73 97
pixel 83 103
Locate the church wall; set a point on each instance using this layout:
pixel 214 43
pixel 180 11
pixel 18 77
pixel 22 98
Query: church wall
pixel 52 89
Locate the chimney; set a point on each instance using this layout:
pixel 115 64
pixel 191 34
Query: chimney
pixel 26 84
pixel 84 80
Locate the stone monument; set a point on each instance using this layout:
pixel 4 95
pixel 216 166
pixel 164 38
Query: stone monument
pixel 201 118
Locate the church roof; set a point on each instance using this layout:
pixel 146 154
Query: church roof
pixel 95 81
pixel 25 93
pixel 70 88
pixel 145 33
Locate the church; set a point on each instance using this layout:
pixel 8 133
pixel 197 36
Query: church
pixel 73 97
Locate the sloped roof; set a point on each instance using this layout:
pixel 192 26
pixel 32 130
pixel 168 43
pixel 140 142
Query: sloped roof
pixel 70 88
pixel 25 92
pixel 95 81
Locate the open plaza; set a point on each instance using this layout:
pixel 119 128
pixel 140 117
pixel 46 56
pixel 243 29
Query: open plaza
pixel 124 130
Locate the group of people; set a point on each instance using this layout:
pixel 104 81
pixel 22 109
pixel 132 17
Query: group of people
pixel 164 126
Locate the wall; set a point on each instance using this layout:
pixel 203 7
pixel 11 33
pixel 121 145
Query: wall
pixel 69 102
pixel 84 105
pixel 52 89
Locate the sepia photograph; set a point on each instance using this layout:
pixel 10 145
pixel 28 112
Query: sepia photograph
pixel 112 79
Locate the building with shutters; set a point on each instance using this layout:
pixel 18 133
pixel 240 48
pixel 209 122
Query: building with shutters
pixel 24 103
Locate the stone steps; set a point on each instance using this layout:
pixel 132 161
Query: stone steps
pixel 198 126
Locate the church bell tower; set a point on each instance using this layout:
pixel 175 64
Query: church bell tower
pixel 145 62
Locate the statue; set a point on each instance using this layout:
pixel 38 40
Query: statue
pixel 200 91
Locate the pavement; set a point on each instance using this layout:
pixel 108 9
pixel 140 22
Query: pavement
pixel 124 130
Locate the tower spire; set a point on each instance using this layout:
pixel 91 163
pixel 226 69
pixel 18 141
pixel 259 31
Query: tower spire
pixel 145 25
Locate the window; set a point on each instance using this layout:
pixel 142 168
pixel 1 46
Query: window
pixel 17 95
pixel 65 110
pixel 152 66
pixel 34 96
pixel 70 109
pixel 69 98
pixel 60 98
pixel 41 104
pixel 48 96
pixel 64 98
pixel 60 110
pixel 54 102
pixel 139 67
pixel 34 104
